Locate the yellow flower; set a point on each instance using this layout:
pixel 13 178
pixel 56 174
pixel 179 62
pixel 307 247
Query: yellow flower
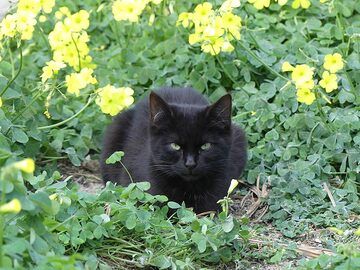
pixel 14 206
pixel 202 12
pixel 53 197
pixel 86 75
pixel 184 19
pixel 60 36
pixel 24 20
pixel 301 3
pixel 112 100
pixel 78 21
pixel 227 47
pixel 286 66
pixel 308 84
pixel 301 74
pixel 234 183
pixel 213 47
pixel 328 82
pixel 128 10
pixel 228 5
pixel 195 38
pixel 63 11
pixel 333 62
pixel 260 4
pixel 74 83
pixel 42 18
pixel 77 81
pixel 212 31
pixel 1 103
pixel 26 165
pixel 70 55
pixel 55 66
pixel 51 68
pixel 47 5
pixel 27 33
pixel 8 26
pixel 47 74
pixel 32 7
pixel 281 2
pixel 305 96
pixel 232 24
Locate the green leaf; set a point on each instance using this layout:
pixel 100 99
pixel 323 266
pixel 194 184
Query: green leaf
pixel 200 241
pixel 173 205
pixel 20 136
pixel 131 222
pixel 228 224
pixel 42 200
pixel 115 157
pixel 161 262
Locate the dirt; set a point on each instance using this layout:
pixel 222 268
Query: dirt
pixel 87 175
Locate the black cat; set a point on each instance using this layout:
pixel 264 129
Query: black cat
pixel 186 148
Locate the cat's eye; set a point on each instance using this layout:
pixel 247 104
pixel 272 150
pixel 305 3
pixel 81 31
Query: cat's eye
pixel 175 146
pixel 205 146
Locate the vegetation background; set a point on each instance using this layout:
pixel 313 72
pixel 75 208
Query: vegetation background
pixel 67 66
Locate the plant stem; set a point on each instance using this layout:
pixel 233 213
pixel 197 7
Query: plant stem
pixel 2 201
pixel 91 98
pixel 128 173
pixel 322 113
pixel 224 69
pixel 352 87
pixel 16 75
pixel 38 94
pixel 78 52
pixel 273 71
pixel 1 239
pixel 43 37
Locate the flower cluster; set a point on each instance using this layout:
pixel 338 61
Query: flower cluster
pixel 23 22
pixel 112 100
pixel 260 4
pixel 68 41
pixel 214 29
pixel 302 76
pixel 130 10
pixel 77 81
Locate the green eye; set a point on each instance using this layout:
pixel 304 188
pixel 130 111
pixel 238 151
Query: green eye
pixel 175 146
pixel 206 146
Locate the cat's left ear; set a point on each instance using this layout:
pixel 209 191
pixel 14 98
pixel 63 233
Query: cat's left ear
pixel 160 112
pixel 219 114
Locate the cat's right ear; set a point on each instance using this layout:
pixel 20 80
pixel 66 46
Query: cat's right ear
pixel 159 110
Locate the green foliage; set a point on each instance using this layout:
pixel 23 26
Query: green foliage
pixel 296 147
pixel 60 227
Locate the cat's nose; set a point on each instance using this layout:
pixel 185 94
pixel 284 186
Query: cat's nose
pixel 190 162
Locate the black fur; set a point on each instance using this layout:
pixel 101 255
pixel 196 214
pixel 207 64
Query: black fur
pixel 182 116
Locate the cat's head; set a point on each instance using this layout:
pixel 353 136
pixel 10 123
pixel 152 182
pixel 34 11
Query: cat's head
pixel 190 142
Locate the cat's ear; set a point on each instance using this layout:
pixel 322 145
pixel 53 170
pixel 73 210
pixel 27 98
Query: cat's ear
pixel 159 110
pixel 219 114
